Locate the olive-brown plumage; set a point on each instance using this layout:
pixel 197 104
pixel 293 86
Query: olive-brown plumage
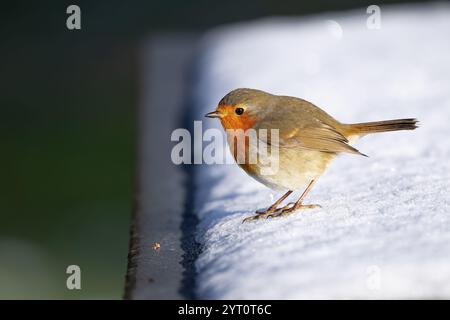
pixel 309 139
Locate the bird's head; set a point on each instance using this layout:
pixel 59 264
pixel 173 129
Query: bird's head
pixel 241 108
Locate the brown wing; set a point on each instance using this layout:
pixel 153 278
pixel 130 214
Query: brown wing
pixel 321 138
pixel 305 130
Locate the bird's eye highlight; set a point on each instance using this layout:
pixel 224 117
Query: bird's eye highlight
pixel 239 111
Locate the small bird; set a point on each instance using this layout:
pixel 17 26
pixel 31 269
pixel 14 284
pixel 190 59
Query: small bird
pixel 309 140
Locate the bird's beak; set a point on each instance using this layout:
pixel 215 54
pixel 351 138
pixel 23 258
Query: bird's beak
pixel 214 114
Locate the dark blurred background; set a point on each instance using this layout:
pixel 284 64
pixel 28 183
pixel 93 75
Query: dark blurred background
pixel 67 132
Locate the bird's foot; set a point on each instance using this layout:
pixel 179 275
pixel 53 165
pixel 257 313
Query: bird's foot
pixel 288 209
pixel 273 209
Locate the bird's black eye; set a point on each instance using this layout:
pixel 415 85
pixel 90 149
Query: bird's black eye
pixel 239 111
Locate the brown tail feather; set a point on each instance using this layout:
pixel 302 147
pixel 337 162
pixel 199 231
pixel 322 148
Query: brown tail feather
pixel 383 126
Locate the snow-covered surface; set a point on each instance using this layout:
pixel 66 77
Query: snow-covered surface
pixel 384 229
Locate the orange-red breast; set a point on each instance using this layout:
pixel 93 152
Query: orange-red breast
pixel 309 139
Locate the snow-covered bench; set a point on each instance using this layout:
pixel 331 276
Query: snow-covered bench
pixel 384 229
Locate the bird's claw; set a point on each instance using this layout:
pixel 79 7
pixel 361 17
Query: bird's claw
pixel 288 209
pixel 273 210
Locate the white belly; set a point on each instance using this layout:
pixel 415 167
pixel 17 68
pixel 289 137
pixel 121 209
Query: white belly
pixel 295 169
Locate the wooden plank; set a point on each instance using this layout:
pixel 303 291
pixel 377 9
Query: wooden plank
pixel 161 197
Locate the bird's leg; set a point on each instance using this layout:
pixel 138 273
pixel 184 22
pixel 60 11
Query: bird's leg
pixel 275 205
pixel 299 204
pixel 287 209
pixel 272 209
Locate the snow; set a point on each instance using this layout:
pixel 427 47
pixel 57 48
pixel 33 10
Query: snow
pixel 384 229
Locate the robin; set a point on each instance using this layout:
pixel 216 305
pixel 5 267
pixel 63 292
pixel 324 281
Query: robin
pixel 309 139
